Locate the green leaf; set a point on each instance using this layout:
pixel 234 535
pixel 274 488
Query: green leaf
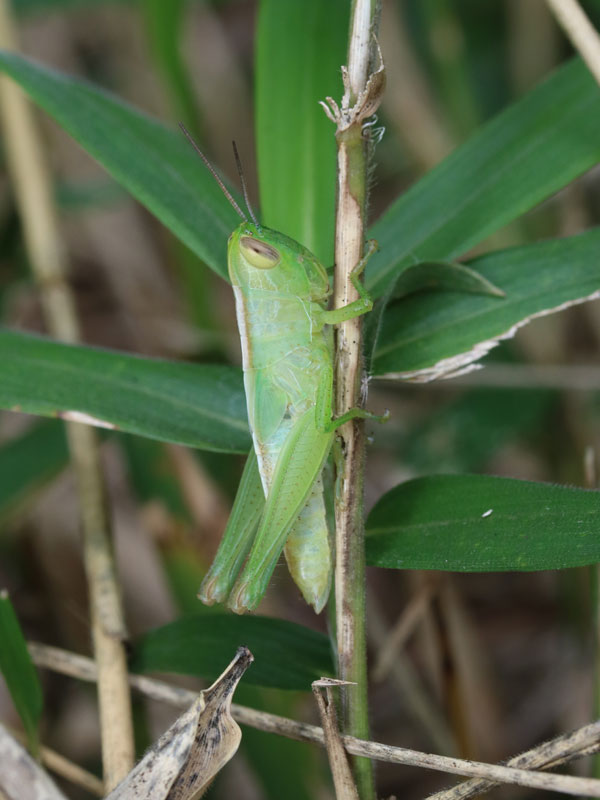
pixel 420 332
pixel 283 767
pixel 300 47
pixel 155 164
pixel 286 655
pixel 511 164
pixel 27 462
pixel 29 7
pixel 83 195
pixel 164 24
pixel 150 470
pixel 443 276
pixel 478 523
pixel 199 406
pixel 19 673
pixel 467 432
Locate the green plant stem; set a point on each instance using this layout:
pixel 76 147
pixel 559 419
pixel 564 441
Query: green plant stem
pixel 349 512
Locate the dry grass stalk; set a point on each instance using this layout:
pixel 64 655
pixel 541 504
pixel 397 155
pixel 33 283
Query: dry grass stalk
pixel 545 756
pixel 584 37
pixel 363 86
pixel 563 749
pixel 345 788
pixel 34 194
pixel 68 770
pixel 401 631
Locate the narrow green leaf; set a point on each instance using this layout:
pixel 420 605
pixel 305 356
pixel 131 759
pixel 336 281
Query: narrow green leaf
pixel 443 276
pixel 283 767
pixel 478 523
pixel 155 164
pixel 287 656
pixel 164 25
pixel 428 335
pixel 19 673
pixel 150 470
pixel 29 7
pixel 82 195
pixel 27 462
pixel 300 47
pixel 199 406
pixel 511 164
pixel 466 433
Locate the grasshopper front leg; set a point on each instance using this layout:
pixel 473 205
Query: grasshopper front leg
pixel 325 420
pixel 364 304
pixel 324 409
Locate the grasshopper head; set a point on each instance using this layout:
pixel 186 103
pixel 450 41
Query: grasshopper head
pixel 261 257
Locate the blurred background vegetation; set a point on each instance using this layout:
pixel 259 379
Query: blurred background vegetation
pixel 498 662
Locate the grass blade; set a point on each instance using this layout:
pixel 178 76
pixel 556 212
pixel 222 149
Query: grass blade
pixel 429 335
pixel 479 523
pixel 19 673
pixel 287 656
pixel 295 140
pixel 28 462
pixel 152 162
pixel 497 175
pixel 199 406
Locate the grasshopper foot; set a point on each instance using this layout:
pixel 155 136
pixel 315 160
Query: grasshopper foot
pixel 381 418
pixel 211 591
pixel 243 598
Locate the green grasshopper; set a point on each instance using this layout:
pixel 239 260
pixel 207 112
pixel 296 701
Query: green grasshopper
pixel 281 291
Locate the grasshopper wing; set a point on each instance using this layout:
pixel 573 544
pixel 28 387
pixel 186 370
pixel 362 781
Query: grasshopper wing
pixel 298 467
pixel 237 539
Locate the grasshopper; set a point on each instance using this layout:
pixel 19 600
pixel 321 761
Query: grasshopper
pixel 281 290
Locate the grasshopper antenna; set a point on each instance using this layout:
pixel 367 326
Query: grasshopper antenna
pixel 213 172
pixel 238 162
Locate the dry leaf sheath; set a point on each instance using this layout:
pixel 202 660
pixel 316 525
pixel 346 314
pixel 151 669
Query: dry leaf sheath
pixel 187 757
pixel 21 777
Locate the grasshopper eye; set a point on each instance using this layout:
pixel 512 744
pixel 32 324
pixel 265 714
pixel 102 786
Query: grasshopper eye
pixel 260 254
